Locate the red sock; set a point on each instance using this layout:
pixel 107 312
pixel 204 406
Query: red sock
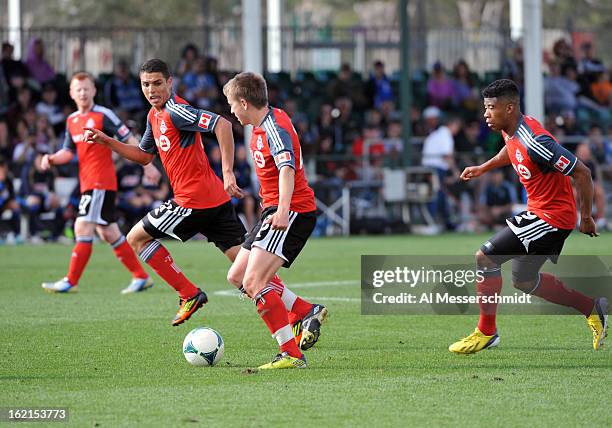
pixel 156 256
pixel 80 256
pixel 552 289
pixel 126 255
pixel 297 307
pixel 489 286
pixel 272 310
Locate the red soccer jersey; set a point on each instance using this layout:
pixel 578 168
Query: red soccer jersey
pixel 174 134
pixel 96 168
pixel 543 166
pixel 275 144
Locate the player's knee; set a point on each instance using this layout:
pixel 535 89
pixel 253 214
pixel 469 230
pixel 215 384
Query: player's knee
pixel 134 239
pixel 107 235
pixel 234 277
pixel 482 260
pixel 525 280
pixel 252 284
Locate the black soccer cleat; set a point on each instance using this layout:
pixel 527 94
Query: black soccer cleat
pixel 311 326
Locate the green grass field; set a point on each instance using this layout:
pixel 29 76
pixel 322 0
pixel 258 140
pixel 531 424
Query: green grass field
pixel 115 360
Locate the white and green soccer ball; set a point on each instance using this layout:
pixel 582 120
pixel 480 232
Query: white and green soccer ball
pixel 203 346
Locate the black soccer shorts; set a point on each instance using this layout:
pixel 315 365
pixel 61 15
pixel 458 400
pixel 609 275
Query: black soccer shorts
pixel 286 244
pixel 98 206
pixel 529 241
pixel 219 224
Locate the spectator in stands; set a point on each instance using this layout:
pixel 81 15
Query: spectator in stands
pixel 466 96
pixel 344 86
pixel 378 88
pixel 24 148
pixel 46 140
pixel 13 69
pixel 49 107
pixel 601 89
pixel 589 66
pixel 9 207
pixel 6 145
pixel 38 66
pixel 560 91
pixel 431 119
pixel 514 65
pixel 40 202
pixel 439 154
pixel 468 145
pixel 345 125
pixel 440 89
pixel 584 153
pixel 563 54
pixel 497 200
pixel 200 86
pixel 122 91
pixel 17 111
pixel 599 147
pixel 188 57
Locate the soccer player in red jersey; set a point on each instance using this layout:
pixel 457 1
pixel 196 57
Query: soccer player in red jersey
pixel 201 201
pixel 538 234
pixel 287 220
pixel 98 187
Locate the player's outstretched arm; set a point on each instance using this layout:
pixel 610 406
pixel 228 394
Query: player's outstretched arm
pixel 584 186
pixel 130 152
pixel 60 157
pixel 223 132
pixel 499 160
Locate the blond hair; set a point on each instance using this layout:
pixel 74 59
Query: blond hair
pixel 248 86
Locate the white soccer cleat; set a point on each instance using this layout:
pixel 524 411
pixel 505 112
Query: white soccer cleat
pixel 61 286
pixel 138 285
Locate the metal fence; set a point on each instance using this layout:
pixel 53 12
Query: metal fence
pixel 304 48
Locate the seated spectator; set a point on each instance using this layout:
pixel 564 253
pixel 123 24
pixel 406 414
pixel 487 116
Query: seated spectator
pixel 46 140
pixel 496 200
pixel 9 207
pixel 561 90
pixel 25 148
pixel 589 66
pixel 122 91
pixel 440 89
pixel 584 153
pixel 346 126
pixel 344 86
pixel 601 89
pixel 18 109
pixel 15 72
pixel 468 145
pixel 6 146
pixel 188 57
pixel 466 93
pixel 39 201
pixel 49 107
pixel 599 147
pixel 200 86
pixel 38 66
pixel 378 89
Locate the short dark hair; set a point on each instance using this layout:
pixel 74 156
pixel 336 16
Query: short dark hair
pixel 155 66
pixel 502 88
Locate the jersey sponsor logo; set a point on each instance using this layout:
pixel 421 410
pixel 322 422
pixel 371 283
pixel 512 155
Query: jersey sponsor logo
pixel 204 120
pixel 562 163
pixel 77 138
pixel 90 123
pixel 162 127
pixel 523 171
pixel 163 143
pixel 259 159
pixel 518 155
pixel 259 143
pixel 282 157
pixel 123 131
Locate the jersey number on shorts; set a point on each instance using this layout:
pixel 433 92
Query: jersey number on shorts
pixel 84 203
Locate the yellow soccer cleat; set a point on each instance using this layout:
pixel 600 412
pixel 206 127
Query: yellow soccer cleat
pixel 285 361
pixel 598 321
pixel 475 342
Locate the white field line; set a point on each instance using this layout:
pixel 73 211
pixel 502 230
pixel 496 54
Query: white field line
pixel 235 293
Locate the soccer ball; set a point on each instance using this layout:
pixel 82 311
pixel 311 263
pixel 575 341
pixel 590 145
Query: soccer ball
pixel 203 346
